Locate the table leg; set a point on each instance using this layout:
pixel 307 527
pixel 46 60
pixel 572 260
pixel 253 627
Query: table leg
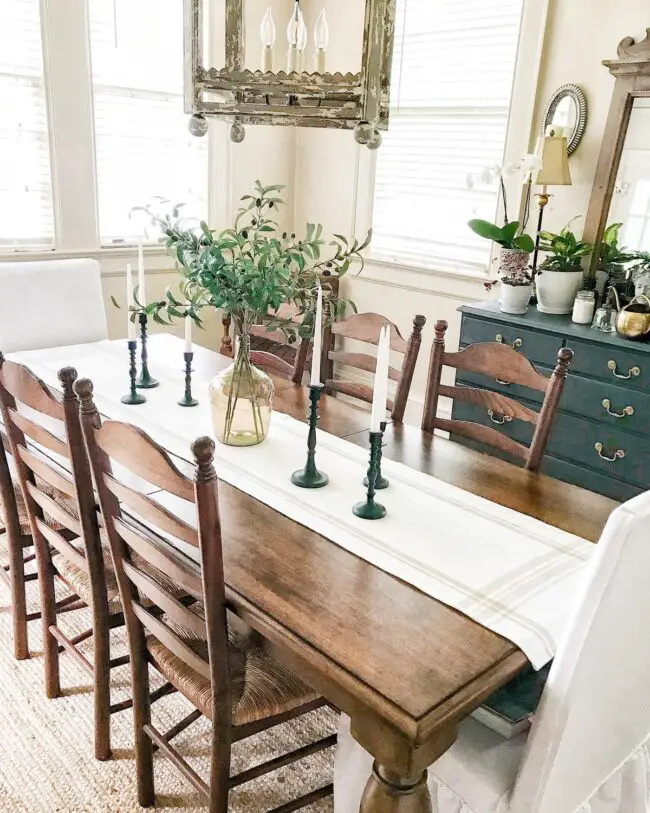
pixel 387 792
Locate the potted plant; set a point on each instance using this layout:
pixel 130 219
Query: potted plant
pixel 247 272
pixel 560 276
pixel 615 263
pixel 514 256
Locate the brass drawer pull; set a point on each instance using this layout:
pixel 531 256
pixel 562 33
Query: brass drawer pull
pixel 633 373
pixel 629 410
pixel 515 345
pixel 619 454
pixel 504 418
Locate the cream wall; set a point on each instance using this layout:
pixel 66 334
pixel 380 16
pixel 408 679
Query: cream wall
pixel 578 36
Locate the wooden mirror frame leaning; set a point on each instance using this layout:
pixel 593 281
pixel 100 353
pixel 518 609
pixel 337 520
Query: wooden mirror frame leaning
pixel 632 74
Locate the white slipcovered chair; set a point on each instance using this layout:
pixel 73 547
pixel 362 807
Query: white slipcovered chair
pixel 50 303
pixel 588 750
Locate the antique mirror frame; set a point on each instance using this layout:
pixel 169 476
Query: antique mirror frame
pixel 358 101
pixel 580 101
pixel 632 73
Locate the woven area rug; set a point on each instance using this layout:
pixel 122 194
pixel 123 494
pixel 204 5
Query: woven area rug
pixel 46 746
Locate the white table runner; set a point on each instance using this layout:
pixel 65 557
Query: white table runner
pixel 513 574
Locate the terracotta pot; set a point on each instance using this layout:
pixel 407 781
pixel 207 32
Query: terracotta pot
pixel 514 298
pixel 556 290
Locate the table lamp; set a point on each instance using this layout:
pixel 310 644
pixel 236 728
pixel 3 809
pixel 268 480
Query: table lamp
pixel 552 149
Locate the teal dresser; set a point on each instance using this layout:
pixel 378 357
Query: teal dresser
pixel 601 436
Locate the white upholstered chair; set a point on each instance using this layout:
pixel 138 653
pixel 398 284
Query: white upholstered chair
pixel 588 750
pixel 50 303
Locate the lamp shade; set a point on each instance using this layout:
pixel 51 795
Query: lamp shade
pixel 552 149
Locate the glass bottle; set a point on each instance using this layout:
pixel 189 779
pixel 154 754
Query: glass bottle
pixel 241 399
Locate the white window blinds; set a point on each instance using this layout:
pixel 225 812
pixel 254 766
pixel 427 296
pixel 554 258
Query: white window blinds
pixel 26 217
pixel 452 83
pixel 144 149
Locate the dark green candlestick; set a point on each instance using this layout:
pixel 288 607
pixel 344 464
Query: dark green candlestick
pixel 134 396
pixel 145 381
pixel 187 400
pixel 381 482
pixel 310 477
pixel 369 509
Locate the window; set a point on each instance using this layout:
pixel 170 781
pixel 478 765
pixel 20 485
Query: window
pixel 143 145
pixel 26 216
pixel 452 83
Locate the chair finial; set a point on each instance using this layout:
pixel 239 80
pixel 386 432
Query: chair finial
pixel 440 328
pixel 203 451
pixel 67 376
pixel 83 387
pixel 418 323
pixel 564 357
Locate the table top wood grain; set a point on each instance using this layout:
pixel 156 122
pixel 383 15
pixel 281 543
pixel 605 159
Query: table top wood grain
pixel 356 631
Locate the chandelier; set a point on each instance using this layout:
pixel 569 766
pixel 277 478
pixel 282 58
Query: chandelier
pixel 287 91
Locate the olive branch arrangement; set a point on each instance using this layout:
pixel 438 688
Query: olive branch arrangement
pixel 250 270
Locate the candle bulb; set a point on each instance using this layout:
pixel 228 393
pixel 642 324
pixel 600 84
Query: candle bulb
pixel 267 33
pixel 188 334
pixel 380 392
pixel 142 294
pixel 318 339
pixel 130 326
pixel 293 30
pixel 321 40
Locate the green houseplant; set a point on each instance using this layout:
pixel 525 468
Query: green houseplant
pixel 616 263
pixel 560 275
pixel 514 256
pixel 247 272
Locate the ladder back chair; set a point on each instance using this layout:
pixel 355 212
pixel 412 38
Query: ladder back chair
pixel 505 364
pixel 62 511
pixel 366 328
pixel 17 548
pixel 213 660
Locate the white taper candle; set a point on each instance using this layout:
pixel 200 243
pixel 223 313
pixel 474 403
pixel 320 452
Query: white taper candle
pixel 130 326
pixel 142 294
pixel 318 339
pixel 380 391
pixel 188 334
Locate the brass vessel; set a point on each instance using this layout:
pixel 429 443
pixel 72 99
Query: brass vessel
pixel 633 321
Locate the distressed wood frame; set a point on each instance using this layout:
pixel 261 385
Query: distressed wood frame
pixel 301 99
pixel 632 73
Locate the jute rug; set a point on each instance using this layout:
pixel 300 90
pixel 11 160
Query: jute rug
pixel 46 746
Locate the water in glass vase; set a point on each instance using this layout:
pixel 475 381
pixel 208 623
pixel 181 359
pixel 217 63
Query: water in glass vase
pixel 241 398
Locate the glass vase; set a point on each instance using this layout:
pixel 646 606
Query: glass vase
pixel 241 399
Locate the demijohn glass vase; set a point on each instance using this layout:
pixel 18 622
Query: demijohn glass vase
pixel 241 398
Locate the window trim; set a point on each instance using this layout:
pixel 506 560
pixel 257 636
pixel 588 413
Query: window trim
pixel 519 135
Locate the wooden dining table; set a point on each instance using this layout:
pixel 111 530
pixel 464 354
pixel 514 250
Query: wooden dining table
pixel 405 667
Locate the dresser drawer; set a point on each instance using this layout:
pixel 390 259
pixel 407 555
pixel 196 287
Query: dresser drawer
pixel 517 430
pixel 467 379
pixel 589 479
pixel 599 399
pixel 540 348
pixel 575 439
pixel 624 368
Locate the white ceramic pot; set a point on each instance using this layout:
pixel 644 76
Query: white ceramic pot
pixel 514 298
pixel 556 290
